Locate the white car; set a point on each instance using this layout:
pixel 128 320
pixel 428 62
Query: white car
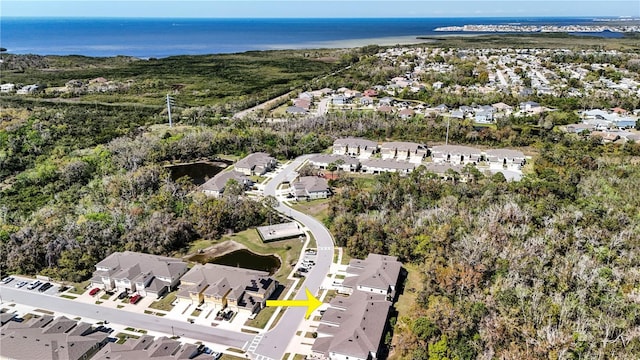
pixel 21 284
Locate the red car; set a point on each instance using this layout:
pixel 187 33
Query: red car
pixel 94 291
pixel 135 299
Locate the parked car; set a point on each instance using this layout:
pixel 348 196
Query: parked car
pixel 7 280
pixel 21 284
pixel 45 287
pixel 34 285
pixel 94 291
pixel 123 295
pixel 135 299
pixel 216 355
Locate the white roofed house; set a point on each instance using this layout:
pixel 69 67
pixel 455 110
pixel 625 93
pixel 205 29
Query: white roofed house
pixel 310 187
pixel 256 164
pixel 456 154
pixel 505 159
pixel 355 147
pixel 8 87
pixel 217 184
pixel 403 151
pixel 140 273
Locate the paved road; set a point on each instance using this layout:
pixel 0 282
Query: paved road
pixel 117 316
pixel 274 343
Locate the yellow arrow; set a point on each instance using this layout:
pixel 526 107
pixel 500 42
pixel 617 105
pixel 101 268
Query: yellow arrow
pixel 311 303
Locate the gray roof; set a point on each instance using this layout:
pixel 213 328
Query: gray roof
pixel 360 326
pixel 504 154
pixel 355 142
pixel 455 150
pixel 402 146
pixel 332 158
pixel 45 338
pixel 376 271
pixel 296 110
pixel 220 279
pixel 219 181
pixel 131 265
pixel 256 159
pixel 146 347
pixel 311 184
pixel 442 168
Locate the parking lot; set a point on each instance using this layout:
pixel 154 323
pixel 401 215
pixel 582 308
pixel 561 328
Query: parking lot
pixel 27 284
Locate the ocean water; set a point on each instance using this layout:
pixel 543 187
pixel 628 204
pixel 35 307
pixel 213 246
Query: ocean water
pixel 165 37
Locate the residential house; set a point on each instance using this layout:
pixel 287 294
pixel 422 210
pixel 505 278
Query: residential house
pixel 144 274
pixel 5 88
pixel 355 147
pixel 365 100
pixel 343 162
pixel 404 151
pixel 484 117
pixel 502 107
pixel 256 164
pixel 339 100
pixel 370 93
pixel 406 113
pixel 46 338
pixel 227 286
pixel 457 114
pixel 216 185
pixel 455 154
pixel 376 274
pixel 529 106
pixel 146 347
pixel 352 328
pixel 386 101
pixel 306 96
pixel 437 85
pixel 302 103
pixel 385 109
pixel 310 187
pixel 29 89
pixel 505 159
pixel 446 171
pixel 579 128
pixel 442 108
pixel 295 110
pixel 378 166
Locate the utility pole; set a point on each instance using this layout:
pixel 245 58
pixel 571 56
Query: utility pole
pixel 446 141
pixel 169 103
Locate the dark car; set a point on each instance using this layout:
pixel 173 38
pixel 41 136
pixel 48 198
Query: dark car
pixel 45 287
pixel 122 295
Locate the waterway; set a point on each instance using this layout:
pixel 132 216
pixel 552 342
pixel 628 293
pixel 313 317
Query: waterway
pixel 198 172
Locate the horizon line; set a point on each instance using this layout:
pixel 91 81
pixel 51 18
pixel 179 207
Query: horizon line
pixel 332 17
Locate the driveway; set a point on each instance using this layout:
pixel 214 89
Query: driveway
pixel 273 343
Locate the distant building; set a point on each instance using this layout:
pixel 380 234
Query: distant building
pixel 29 89
pixel 295 110
pixel 46 338
pixel 5 88
pixel 455 154
pixel 378 166
pixel 403 151
pixel 343 162
pixel 140 273
pixel 505 159
pixel 222 286
pixel 360 148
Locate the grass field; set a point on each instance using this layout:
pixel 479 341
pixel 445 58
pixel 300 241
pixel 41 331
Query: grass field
pixel 318 208
pixel 164 303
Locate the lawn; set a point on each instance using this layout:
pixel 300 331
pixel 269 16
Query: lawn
pixel 79 288
pixel 165 302
pixel 413 286
pixel 318 208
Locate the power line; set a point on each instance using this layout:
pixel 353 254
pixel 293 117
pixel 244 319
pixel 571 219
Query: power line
pixel 169 103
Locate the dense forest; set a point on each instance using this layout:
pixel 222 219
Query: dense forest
pixel 542 268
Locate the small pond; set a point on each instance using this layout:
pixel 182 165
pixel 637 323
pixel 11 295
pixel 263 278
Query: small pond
pixel 198 172
pixel 243 258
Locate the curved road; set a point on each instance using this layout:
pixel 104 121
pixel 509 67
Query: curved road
pixel 274 343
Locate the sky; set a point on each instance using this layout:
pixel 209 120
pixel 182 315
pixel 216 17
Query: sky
pixel 317 8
